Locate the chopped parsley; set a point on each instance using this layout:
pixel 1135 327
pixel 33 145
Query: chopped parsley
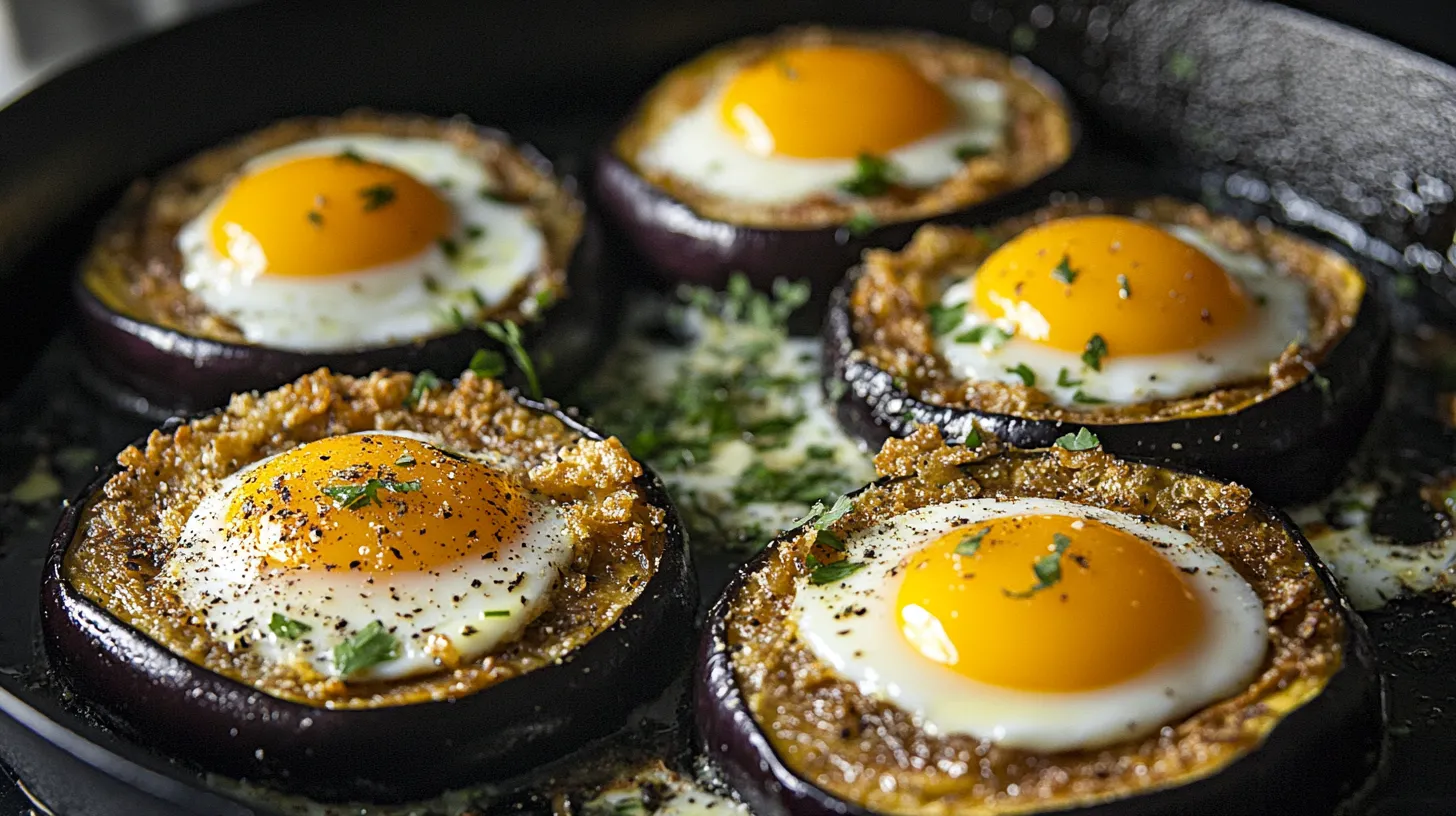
pixel 473 232
pixel 544 299
pixel 376 196
pixel 508 334
pixel 1028 377
pixel 819 518
pixel 988 335
pixel 972 542
pixel 872 177
pixel 944 319
pixel 488 364
pixel 496 613
pixel 1082 440
pixel 837 571
pixel 1087 399
pixel 861 223
pixel 1095 351
pixel 1064 379
pixel 354 497
pixel 316 218
pixel 808 482
pixel 287 628
pixel 1124 290
pixel 424 382
pixel 1064 271
pixel 1048 568
pixel 967 151
pixel 349 154
pixel 1323 384
pixel 973 438
pixel 405 460
pixel 370 646
pixel 450 247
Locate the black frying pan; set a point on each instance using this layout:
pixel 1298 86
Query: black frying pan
pixel 1248 105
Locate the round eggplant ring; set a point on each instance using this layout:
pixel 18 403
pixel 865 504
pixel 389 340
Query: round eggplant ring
pixel 1288 447
pixel 1314 757
pixel 387 753
pixel 158 370
pixel 685 239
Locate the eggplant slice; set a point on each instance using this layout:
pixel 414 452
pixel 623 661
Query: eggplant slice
pixel 154 350
pixel 1286 439
pixel 691 236
pixel 378 747
pixel 1317 643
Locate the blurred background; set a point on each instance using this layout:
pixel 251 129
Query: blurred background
pixel 37 36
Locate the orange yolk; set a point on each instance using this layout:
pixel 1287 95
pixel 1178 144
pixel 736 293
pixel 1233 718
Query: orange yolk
pixel 1114 607
pixel 832 102
pixel 428 509
pixel 1140 288
pixel 324 215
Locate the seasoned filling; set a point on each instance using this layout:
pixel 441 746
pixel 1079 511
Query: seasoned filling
pixel 1070 731
pixel 1104 313
pixel 814 127
pixel 355 543
pixel 326 234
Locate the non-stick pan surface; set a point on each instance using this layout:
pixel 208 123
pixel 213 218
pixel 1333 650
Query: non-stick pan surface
pixel 1247 105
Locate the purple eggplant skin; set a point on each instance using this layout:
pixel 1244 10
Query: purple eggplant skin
pixel 1287 449
pixel 396 753
pixel 685 247
pixel 161 372
pixel 1320 754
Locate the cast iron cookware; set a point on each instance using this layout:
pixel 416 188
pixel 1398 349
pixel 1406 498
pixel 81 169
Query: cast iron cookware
pixel 1247 105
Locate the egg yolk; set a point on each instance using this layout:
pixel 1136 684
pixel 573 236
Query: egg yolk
pixel 324 215
pixel 1138 287
pixel 374 503
pixel 832 102
pixel 1046 603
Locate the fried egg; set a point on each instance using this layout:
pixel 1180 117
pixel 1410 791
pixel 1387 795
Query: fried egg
pixel 370 556
pixel 794 124
pixel 357 241
pixel 1035 623
pixel 1107 309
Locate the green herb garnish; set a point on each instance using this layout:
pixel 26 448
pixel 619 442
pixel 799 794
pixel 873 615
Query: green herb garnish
pixel 1323 384
pixel 973 438
pixel 872 177
pixel 861 223
pixel 1048 568
pixel 349 154
pixel 424 381
pixel 508 334
pixel 354 497
pixel 496 613
pixel 488 364
pixel 1028 377
pixel 450 247
pixel 1095 351
pixel 944 319
pixel 316 218
pixel 287 628
pixel 1087 399
pixel 837 571
pixel 405 460
pixel 473 232
pixel 1064 271
pixel 377 196
pixel 989 335
pixel 968 151
pixel 1064 379
pixel 370 646
pixel 972 542
pixel 1082 440
pixel 805 483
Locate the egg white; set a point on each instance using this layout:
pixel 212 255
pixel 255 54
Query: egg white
pixel 227 585
pixel 698 148
pixel 383 305
pixel 868 648
pixel 1280 318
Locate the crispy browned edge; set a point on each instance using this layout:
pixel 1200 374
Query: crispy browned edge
pixel 128 530
pixel 134 267
pixel 1039 136
pixel 845 742
pixel 892 329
